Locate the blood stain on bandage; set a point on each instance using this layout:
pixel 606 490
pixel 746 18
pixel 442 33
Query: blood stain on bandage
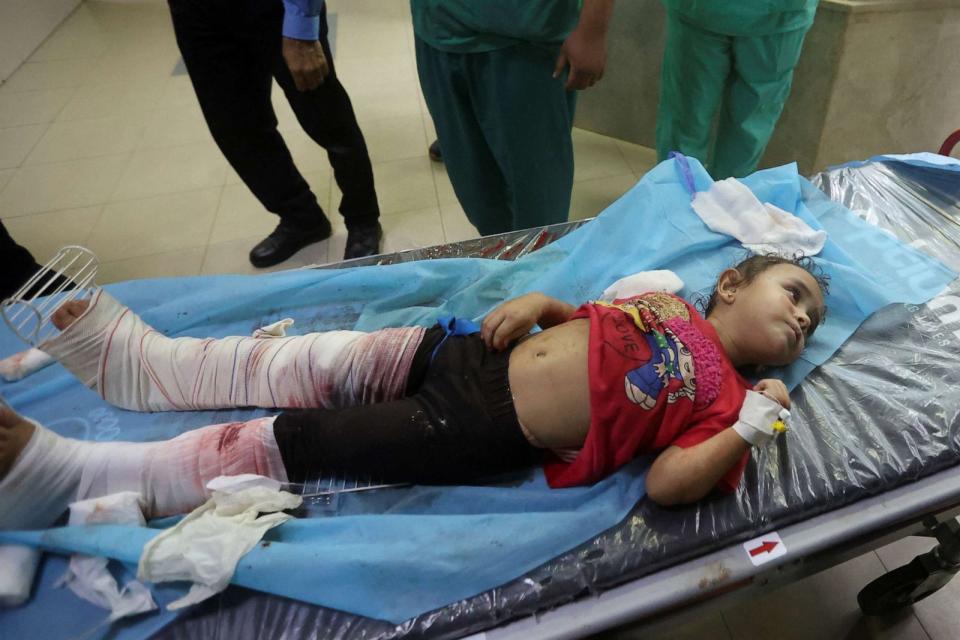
pixel 229 436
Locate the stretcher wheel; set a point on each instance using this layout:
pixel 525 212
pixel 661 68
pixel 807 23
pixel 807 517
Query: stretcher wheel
pixel 904 585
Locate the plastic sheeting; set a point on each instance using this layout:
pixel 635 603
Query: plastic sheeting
pixel 881 412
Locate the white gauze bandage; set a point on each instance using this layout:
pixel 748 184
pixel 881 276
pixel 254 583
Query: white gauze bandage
pixel 110 349
pixel 171 476
pixel 757 418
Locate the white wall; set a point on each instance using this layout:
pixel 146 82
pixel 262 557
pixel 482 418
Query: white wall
pixel 24 24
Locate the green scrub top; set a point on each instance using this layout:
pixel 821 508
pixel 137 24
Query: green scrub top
pixel 475 26
pixel 746 17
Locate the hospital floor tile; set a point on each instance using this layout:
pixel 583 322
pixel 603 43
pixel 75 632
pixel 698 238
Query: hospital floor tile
pixel 156 225
pixel 79 36
pixel 456 227
pixel 173 127
pixel 130 101
pixel 939 613
pixel 77 139
pixel 590 197
pixel 46 233
pixel 445 192
pixel 403 185
pixel 5 175
pixel 169 170
pixel 597 156
pixel 640 159
pixel 307 154
pixel 821 606
pixel 705 627
pixel 51 74
pixel 185 262
pixel 394 138
pixel 33 107
pixel 64 185
pixel 16 143
pixel 231 257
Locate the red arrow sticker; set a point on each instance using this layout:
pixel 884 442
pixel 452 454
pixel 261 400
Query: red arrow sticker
pixel 765 548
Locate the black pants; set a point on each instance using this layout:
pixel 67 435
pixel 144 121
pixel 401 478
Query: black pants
pixel 16 264
pixel 232 50
pixel 457 424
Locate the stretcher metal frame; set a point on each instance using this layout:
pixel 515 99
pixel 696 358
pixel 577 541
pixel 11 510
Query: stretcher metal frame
pixel 724 577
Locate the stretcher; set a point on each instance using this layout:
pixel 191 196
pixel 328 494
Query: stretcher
pixel 874 457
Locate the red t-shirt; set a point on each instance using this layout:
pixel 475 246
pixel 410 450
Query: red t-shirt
pixel 658 377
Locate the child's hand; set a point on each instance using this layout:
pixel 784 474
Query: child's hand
pixel 511 320
pixel 775 390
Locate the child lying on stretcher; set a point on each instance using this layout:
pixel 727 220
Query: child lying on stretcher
pixel 599 385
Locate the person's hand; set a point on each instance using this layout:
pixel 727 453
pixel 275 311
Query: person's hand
pixel 775 390
pixel 67 313
pixel 586 55
pixel 511 320
pixel 306 62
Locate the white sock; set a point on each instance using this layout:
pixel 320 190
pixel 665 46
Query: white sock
pixel 110 349
pixel 171 476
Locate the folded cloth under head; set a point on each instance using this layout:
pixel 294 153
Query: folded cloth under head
pixel 730 207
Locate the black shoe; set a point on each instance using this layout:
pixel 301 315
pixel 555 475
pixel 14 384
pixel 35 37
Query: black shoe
pixel 435 154
pixel 363 241
pixel 285 241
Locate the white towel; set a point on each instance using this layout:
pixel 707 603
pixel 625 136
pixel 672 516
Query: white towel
pixel 730 207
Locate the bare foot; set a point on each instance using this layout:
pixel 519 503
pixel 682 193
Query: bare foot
pixel 15 433
pixel 68 313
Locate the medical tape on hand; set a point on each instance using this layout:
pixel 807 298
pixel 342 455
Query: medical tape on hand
pixel 760 419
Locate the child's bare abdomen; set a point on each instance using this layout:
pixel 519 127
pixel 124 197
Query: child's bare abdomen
pixel 549 381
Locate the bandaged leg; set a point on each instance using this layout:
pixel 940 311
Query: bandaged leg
pixel 110 349
pixel 171 476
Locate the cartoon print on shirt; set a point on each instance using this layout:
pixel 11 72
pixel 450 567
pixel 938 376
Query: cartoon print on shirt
pixel 669 360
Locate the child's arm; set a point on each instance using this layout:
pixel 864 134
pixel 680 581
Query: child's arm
pixel 681 475
pixel 514 318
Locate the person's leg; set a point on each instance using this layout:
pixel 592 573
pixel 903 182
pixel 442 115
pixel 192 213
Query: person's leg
pixel 473 171
pixel 460 427
pixel 696 64
pixel 526 116
pixel 16 264
pixel 229 53
pixel 763 74
pixel 41 473
pixel 326 115
pixel 110 349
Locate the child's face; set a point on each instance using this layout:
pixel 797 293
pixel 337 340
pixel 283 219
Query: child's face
pixel 775 314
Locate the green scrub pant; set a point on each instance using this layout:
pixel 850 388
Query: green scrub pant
pixel 504 128
pixel 747 77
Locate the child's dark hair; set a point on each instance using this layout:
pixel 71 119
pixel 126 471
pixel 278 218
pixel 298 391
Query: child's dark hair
pixel 754 265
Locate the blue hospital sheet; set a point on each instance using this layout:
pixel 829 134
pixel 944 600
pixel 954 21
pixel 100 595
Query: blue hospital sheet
pixel 429 546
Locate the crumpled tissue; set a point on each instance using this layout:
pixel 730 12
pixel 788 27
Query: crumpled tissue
pixel 205 547
pixel 88 576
